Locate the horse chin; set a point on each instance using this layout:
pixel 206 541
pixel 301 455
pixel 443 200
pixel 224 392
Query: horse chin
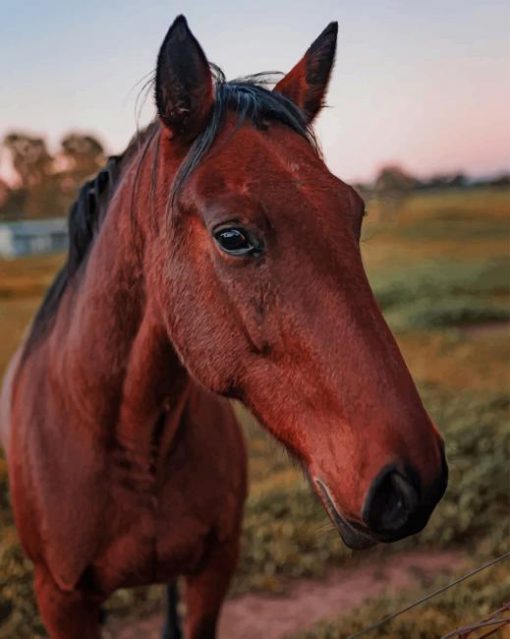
pixel 352 537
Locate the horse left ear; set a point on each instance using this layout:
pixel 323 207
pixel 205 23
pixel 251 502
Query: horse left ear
pixel 306 84
pixel 184 85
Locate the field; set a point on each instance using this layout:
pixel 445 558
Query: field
pixel 441 271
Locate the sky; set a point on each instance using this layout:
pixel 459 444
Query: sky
pixel 422 84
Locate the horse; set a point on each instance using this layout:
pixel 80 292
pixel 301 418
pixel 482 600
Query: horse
pixel 217 258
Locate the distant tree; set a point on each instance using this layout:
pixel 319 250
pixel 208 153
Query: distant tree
pixel 4 192
pixel 11 202
pixel 392 187
pixel 458 180
pixel 30 158
pixel 446 181
pixel 501 180
pixel 45 186
pixel 364 189
pixel 36 189
pixel 80 157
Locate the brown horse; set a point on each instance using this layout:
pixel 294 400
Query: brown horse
pixel 217 258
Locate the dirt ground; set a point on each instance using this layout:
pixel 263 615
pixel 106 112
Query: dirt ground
pixel 307 601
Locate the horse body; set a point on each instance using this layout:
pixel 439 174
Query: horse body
pixel 104 516
pixel 217 258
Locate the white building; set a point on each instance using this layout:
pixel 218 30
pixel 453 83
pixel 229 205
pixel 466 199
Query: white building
pixel 28 237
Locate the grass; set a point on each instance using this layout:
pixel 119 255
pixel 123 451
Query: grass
pixel 470 602
pixel 443 293
pixel 430 280
pixel 459 360
pixel 387 244
pixel 444 313
pixel 431 285
pixel 28 277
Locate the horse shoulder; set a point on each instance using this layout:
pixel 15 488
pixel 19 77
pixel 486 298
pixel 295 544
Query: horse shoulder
pixel 59 479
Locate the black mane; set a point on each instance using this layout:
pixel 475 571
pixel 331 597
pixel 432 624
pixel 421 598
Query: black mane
pixel 85 217
pixel 248 97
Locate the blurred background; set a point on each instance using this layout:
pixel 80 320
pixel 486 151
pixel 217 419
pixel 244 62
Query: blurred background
pixel 418 121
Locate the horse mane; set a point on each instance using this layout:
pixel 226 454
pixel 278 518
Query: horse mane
pixel 248 97
pixel 84 220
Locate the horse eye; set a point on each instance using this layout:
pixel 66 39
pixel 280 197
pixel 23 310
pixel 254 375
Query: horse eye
pixel 235 241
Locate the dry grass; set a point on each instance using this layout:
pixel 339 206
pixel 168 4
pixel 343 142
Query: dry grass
pixel 461 226
pixel 458 361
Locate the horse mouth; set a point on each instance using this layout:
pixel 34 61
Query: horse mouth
pixel 352 536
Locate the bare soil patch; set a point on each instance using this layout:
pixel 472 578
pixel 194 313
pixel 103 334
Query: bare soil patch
pixel 308 601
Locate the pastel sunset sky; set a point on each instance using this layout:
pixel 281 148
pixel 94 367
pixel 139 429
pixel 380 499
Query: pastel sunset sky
pixel 424 84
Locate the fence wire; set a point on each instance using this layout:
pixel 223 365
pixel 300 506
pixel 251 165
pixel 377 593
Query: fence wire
pixel 435 593
pixel 494 623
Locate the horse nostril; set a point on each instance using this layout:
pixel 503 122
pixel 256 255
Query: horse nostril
pixel 390 503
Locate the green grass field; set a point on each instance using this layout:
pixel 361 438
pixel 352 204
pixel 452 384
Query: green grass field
pixel 441 272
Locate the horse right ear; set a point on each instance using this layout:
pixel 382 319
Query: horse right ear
pixel 184 85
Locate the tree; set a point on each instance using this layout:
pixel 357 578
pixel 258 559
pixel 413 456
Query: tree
pixel 46 186
pixel 4 192
pixel 11 202
pixel 392 187
pixel 35 188
pixel 30 158
pixel 80 157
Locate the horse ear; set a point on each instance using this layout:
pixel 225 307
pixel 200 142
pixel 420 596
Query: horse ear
pixel 184 86
pixel 307 82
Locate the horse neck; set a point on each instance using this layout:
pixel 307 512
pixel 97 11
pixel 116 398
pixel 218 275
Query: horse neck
pixel 114 360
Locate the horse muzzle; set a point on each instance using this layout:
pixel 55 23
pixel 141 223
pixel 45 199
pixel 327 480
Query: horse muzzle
pixel 395 507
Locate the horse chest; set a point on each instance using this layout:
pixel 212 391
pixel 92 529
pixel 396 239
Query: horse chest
pixel 153 535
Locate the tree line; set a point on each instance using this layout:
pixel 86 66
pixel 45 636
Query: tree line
pixel 45 185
